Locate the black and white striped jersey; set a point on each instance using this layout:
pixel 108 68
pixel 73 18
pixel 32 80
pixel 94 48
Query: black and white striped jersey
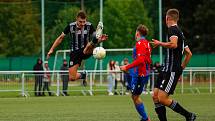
pixel 173 56
pixel 79 37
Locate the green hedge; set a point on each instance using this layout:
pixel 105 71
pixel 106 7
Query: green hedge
pixel 27 62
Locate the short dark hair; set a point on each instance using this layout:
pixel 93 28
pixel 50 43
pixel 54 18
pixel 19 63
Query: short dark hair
pixel 173 13
pixel 142 29
pixel 81 14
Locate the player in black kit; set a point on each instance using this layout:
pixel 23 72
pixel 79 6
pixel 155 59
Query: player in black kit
pixel 80 32
pixel 172 70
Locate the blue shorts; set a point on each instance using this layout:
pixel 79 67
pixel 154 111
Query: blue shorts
pixel 137 84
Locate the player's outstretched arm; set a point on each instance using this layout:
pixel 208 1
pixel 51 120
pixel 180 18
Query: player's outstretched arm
pixel 171 44
pixel 188 55
pixel 123 68
pixel 56 43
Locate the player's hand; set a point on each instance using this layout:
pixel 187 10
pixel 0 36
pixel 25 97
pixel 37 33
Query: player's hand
pixel 102 38
pixel 183 66
pixel 180 78
pixel 49 53
pixel 122 68
pixel 152 44
pixel 156 42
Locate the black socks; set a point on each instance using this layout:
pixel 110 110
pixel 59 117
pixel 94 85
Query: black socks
pixel 175 106
pixel 161 111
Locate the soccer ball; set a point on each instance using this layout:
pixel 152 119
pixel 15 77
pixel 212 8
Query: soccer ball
pixel 99 53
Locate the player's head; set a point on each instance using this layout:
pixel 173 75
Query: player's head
pixel 81 19
pixel 172 16
pixel 142 30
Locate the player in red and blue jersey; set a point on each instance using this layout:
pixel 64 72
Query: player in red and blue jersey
pixel 139 69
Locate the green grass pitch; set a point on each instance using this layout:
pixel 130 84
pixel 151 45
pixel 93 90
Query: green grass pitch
pixel 98 108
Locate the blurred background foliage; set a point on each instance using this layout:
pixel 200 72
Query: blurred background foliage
pixel 20 22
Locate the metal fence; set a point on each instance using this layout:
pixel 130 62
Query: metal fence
pixel 194 80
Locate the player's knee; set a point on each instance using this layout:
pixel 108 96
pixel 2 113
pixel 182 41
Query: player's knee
pixel 155 94
pixel 163 100
pixel 155 97
pixel 136 99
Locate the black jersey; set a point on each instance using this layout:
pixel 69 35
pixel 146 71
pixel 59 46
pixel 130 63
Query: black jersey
pixel 79 37
pixel 173 56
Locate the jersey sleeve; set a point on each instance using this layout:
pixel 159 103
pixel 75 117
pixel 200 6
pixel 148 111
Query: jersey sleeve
pixel 67 29
pixel 92 34
pixel 186 44
pixel 92 29
pixel 139 56
pixel 173 32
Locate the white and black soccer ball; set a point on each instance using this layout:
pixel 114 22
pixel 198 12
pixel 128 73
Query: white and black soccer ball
pixel 99 53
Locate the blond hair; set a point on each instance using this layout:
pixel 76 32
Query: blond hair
pixel 173 14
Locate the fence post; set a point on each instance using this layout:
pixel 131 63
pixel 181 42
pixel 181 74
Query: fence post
pixel 153 80
pixel 58 84
pixel 91 83
pixel 23 84
pixel 191 77
pixel 211 82
pixel 122 78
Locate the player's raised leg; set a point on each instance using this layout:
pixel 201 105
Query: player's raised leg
pixel 74 75
pixel 97 37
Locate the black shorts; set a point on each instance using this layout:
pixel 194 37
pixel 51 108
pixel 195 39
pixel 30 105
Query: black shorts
pixel 167 81
pixel 77 56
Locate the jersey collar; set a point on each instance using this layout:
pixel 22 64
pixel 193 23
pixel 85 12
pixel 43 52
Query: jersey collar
pixel 142 37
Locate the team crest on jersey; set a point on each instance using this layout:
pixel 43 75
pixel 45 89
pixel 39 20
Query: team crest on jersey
pixel 85 31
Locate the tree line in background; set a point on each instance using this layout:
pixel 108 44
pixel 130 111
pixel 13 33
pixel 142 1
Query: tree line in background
pixel 20 22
